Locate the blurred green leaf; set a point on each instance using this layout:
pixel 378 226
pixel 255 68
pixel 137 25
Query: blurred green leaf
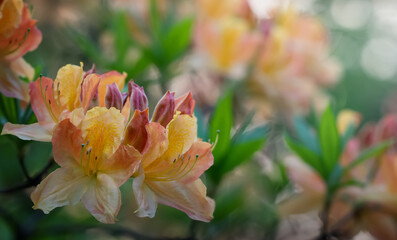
pixel 329 139
pixel 177 39
pixel 306 135
pixel 228 201
pixel 122 39
pixel 221 124
pixel 368 154
pixel 309 157
pixel 244 148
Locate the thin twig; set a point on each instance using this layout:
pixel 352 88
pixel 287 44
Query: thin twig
pixel 30 182
pixel 111 229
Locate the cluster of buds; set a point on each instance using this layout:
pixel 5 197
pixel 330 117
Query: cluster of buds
pixel 101 137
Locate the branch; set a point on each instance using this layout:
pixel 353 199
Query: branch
pixel 30 182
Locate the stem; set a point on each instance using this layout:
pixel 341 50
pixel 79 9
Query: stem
pixel 112 230
pixel 30 182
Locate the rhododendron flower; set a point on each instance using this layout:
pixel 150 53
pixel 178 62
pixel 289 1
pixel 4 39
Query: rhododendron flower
pixel 18 35
pixel 229 44
pixel 53 101
pixel 95 161
pixel 171 167
pixel 294 63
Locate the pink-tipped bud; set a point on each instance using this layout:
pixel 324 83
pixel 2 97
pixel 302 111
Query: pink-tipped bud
pixel 113 97
pixel 165 109
pixel 138 99
pixel 185 104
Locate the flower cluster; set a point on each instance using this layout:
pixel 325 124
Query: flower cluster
pixel 18 35
pixel 101 137
pixel 284 56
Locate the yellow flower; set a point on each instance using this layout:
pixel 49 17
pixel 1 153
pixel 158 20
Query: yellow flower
pixel 94 162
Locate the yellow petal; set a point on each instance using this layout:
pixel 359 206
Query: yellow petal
pixel 62 187
pixel 103 199
pixel 182 132
pixel 69 79
pixel 103 128
pixel 346 118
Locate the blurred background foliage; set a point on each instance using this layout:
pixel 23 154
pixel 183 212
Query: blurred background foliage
pixel 152 49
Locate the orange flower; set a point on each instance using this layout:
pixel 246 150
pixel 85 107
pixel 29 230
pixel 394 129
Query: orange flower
pixel 95 162
pixel 175 159
pixel 53 101
pixel 18 35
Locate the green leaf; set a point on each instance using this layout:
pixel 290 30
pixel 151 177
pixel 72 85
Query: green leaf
pixel 329 140
pixel 308 156
pixel 202 128
pixel 368 154
pixel 221 124
pixel 121 36
pixel 227 202
pixel 244 148
pixel 177 39
pixel 306 135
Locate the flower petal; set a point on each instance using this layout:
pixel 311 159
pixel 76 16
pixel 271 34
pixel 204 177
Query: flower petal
pixel 182 132
pixel 204 160
pixel 113 97
pixel 103 128
pixel 10 84
pixel 136 134
pixel 190 198
pixel 122 164
pixel 106 79
pixel 67 143
pixel 39 90
pixel 89 89
pixel 103 199
pixel 62 187
pixel 158 145
pixel 146 199
pixel 69 78
pixel 33 131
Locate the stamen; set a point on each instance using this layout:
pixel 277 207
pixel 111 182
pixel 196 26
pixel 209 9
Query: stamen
pixel 216 140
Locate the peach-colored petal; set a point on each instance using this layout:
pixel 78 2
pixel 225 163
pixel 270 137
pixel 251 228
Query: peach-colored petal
pixel 26 38
pixel 136 134
pixel 40 94
pixel 75 117
pixel 33 131
pixel 67 144
pixel 11 16
pixel 146 199
pixel 204 161
pixel 69 78
pixel 182 132
pixel 103 128
pixel 10 83
pixel 158 144
pixel 122 164
pixel 89 89
pixel 106 79
pixel 62 187
pixel 190 198
pixel 185 104
pixel 300 204
pixel 103 198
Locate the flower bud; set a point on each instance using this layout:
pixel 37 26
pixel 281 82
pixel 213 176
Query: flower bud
pixel 138 99
pixel 165 109
pixel 113 97
pixel 185 104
